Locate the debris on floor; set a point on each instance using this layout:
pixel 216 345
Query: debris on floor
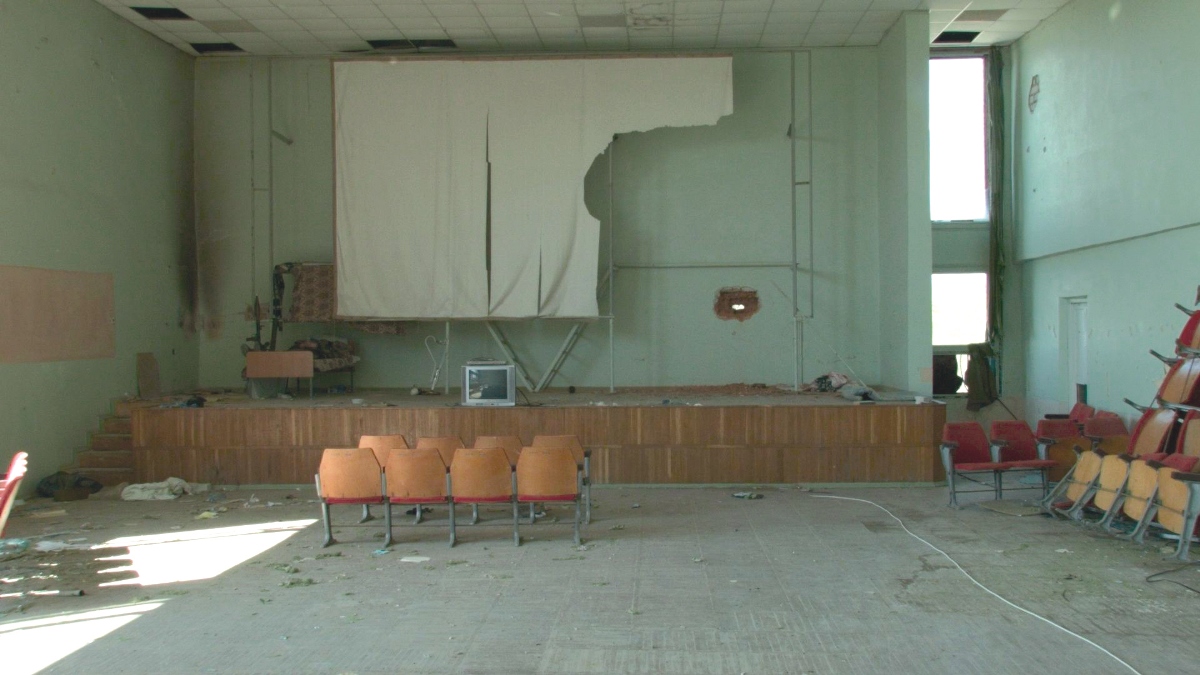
pixel 415 559
pixel 748 495
pixel 170 488
pixel 296 581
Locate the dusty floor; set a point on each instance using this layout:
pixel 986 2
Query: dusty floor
pixel 689 581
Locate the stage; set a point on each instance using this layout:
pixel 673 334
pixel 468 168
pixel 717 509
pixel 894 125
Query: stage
pixel 729 434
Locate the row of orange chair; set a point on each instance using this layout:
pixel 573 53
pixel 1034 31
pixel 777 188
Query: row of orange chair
pixel 384 470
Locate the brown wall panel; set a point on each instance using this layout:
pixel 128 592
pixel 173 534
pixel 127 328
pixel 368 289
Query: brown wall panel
pixel 735 444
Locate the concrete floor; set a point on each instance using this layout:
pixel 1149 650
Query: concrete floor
pixel 690 581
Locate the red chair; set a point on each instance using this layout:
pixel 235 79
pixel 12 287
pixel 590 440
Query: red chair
pixel 347 476
pixel 966 454
pixel 1061 441
pixel 1107 435
pixel 583 459
pixel 9 485
pixel 1188 343
pixel 381 445
pixel 1080 413
pixel 1014 444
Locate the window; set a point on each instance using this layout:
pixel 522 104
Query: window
pixel 959 309
pixel 957 140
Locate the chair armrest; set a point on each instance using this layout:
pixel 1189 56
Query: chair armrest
pixel 1126 457
pixel 1186 476
pixel 1154 464
pixel 997 449
pixel 1057 416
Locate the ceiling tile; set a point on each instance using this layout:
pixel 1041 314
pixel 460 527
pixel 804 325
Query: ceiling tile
pixel 702 7
pixel 369 24
pixel 440 10
pixel 271 25
pixel 462 22
pixel 743 6
pixel 417 24
pixel 695 42
pixel 404 11
pixel 505 9
pixel 356 11
pixel 510 22
pixel 260 13
pixel 901 5
pixel 306 12
pixel 826 40
pixel 213 14
pixel 743 20
pixel 322 24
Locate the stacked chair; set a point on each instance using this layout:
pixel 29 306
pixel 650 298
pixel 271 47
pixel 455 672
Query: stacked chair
pixel 1150 479
pixel 498 470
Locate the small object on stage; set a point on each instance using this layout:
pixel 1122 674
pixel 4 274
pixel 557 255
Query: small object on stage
pixel 571 389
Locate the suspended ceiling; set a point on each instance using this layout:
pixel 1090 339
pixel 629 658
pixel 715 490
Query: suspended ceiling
pixel 329 27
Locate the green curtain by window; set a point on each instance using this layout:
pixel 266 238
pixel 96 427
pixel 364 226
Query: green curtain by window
pixel 994 103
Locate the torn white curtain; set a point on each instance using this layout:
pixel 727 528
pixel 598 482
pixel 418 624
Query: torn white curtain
pixel 542 123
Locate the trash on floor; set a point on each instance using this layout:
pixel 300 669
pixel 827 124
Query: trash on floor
pixel 170 488
pixel 415 558
pixel 748 495
pixel 50 546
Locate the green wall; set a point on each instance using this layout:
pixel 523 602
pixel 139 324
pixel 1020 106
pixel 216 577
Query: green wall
pixel 707 196
pixel 1107 200
pixel 96 176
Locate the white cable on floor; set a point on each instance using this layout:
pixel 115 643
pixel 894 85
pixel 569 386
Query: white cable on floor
pixel 976 581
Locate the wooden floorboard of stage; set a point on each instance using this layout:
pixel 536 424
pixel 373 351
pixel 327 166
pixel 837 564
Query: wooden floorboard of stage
pixel 738 434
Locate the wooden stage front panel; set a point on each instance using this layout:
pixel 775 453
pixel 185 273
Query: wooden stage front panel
pixel 660 444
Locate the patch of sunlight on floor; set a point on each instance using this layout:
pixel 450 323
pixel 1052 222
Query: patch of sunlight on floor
pixel 29 646
pixel 197 554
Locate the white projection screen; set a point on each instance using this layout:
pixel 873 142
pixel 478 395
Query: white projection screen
pixel 459 183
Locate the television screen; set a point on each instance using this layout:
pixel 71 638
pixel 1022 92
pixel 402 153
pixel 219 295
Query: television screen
pixel 489 385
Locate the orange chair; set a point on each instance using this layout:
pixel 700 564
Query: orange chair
pixel 347 476
pixel 510 444
pixel 8 486
pixel 547 474
pixel 1080 413
pixel 445 445
pixel 481 476
pixel 418 477
pixel 583 459
pixel 512 449
pixel 1108 436
pixel 1181 386
pixel 1152 493
pixel 1154 431
pixel 381 446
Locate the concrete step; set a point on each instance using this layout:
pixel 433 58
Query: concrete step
pixel 104 442
pixel 109 477
pixel 116 425
pixel 105 459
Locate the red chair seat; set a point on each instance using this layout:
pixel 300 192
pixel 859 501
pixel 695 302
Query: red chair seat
pixel 1034 464
pixel 983 466
pixel 483 500
pixel 417 500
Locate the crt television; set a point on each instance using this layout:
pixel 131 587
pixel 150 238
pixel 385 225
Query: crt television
pixel 489 384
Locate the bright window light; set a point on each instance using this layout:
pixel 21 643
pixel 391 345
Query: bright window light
pixel 957 156
pixel 959 308
pixel 191 556
pixel 33 645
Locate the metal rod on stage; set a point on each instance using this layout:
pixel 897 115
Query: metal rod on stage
pixel 612 369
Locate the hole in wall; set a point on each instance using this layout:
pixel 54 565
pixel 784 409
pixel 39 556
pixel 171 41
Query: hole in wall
pixel 736 303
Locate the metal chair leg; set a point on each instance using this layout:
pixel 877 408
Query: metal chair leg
pixel 474 514
pixel 328 527
pixel 387 519
pixel 453 533
pixel 366 514
pixel 998 487
pixel 418 516
pixel 950 486
pixel 532 517
pixel 577 516
pixel 516 522
pixel 1138 536
pixel 587 477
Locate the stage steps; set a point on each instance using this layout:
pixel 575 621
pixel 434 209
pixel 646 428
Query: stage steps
pixel 108 457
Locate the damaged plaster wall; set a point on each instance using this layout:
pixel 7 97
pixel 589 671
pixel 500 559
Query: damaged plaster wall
pixel 1106 196
pixel 96 177
pixel 720 195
